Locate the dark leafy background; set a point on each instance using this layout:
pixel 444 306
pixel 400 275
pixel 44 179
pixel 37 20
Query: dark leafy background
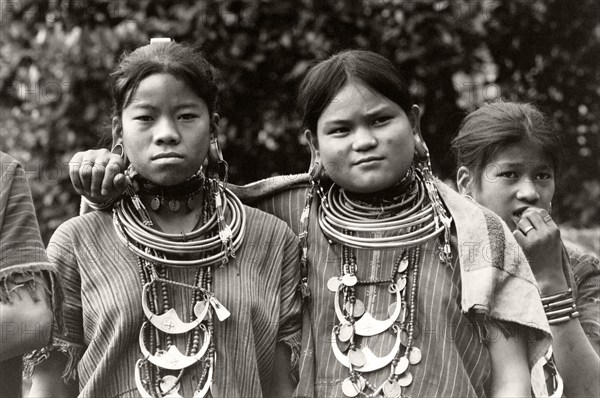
pixel 55 57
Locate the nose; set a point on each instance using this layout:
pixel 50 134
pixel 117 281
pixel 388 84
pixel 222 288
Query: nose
pixel 527 191
pixel 166 132
pixel 363 139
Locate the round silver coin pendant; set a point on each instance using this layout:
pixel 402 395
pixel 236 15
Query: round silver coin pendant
pixel 357 358
pixel 401 366
pixel 403 265
pixel 346 332
pixel 405 379
pixel 333 284
pixel 349 280
pixel 350 388
pixel 401 283
pixel 167 383
pixel 155 203
pixel 414 357
pixel 174 205
pixel 359 308
pixel 392 389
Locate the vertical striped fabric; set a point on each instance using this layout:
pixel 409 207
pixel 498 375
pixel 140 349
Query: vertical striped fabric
pixel 455 363
pixel 21 248
pixel 103 312
pixel 21 252
pixel 586 271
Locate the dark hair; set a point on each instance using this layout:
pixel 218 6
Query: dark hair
pixel 498 125
pixel 327 77
pixel 180 60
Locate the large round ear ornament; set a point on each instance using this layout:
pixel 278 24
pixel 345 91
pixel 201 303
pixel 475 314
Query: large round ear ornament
pixel 421 150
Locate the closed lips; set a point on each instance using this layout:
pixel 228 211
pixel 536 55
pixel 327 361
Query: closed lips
pixel 167 155
pixel 368 159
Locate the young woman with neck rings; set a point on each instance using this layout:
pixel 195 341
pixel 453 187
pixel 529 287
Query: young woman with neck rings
pixel 180 290
pixel 399 280
pixel 508 157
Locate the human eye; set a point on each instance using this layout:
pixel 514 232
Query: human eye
pixel 188 116
pixel 338 131
pixel 509 174
pixel 544 176
pixel 382 120
pixel 143 118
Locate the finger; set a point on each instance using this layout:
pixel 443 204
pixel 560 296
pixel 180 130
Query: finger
pixel 547 218
pixel 98 172
pixel 538 217
pixel 74 165
pixel 85 171
pixel 120 183
pixel 113 169
pixel 525 226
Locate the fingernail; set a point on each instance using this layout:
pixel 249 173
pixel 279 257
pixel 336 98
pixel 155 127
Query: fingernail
pixel 104 192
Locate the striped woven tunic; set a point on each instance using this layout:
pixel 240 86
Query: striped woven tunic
pixel 103 310
pixel 455 361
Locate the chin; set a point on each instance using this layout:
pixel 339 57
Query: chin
pixel 366 186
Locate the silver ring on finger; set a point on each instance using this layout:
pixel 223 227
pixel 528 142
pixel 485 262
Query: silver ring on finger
pixel 529 228
pixel 547 218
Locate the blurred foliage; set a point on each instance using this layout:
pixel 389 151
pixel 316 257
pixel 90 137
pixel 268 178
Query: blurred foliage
pixel 55 57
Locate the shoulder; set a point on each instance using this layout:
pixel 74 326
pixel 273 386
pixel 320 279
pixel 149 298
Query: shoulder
pixel 260 223
pixel 8 164
pixel 12 177
pixel 269 187
pixel 84 227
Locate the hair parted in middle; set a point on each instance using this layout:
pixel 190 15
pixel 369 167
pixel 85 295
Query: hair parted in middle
pixel 184 62
pixel 325 80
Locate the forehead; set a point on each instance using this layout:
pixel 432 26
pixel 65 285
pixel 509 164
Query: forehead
pixel 523 154
pixel 355 98
pixel 163 87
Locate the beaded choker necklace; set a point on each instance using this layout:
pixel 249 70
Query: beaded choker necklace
pixel 170 345
pixel 173 196
pixel 410 214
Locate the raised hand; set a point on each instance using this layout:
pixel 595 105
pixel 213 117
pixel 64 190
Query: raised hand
pixel 97 174
pixel 539 237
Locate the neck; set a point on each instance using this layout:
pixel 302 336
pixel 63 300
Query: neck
pixel 176 208
pixel 392 194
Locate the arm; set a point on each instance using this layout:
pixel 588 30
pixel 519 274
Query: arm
pixel 26 276
pixel 97 175
pixel 26 322
pixel 576 359
pixel 283 385
pixel 47 379
pixel 510 370
pixel 287 349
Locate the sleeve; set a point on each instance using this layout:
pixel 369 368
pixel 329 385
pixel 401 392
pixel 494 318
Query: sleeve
pixel 586 269
pixel 62 253
pixel 22 254
pixel 290 315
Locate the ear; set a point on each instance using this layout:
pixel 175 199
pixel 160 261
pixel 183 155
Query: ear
pixel 464 181
pixel 313 143
pixel 117 131
pixel 214 124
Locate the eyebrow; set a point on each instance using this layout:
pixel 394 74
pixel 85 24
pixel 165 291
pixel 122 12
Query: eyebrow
pixel 145 105
pixel 519 164
pixel 370 113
